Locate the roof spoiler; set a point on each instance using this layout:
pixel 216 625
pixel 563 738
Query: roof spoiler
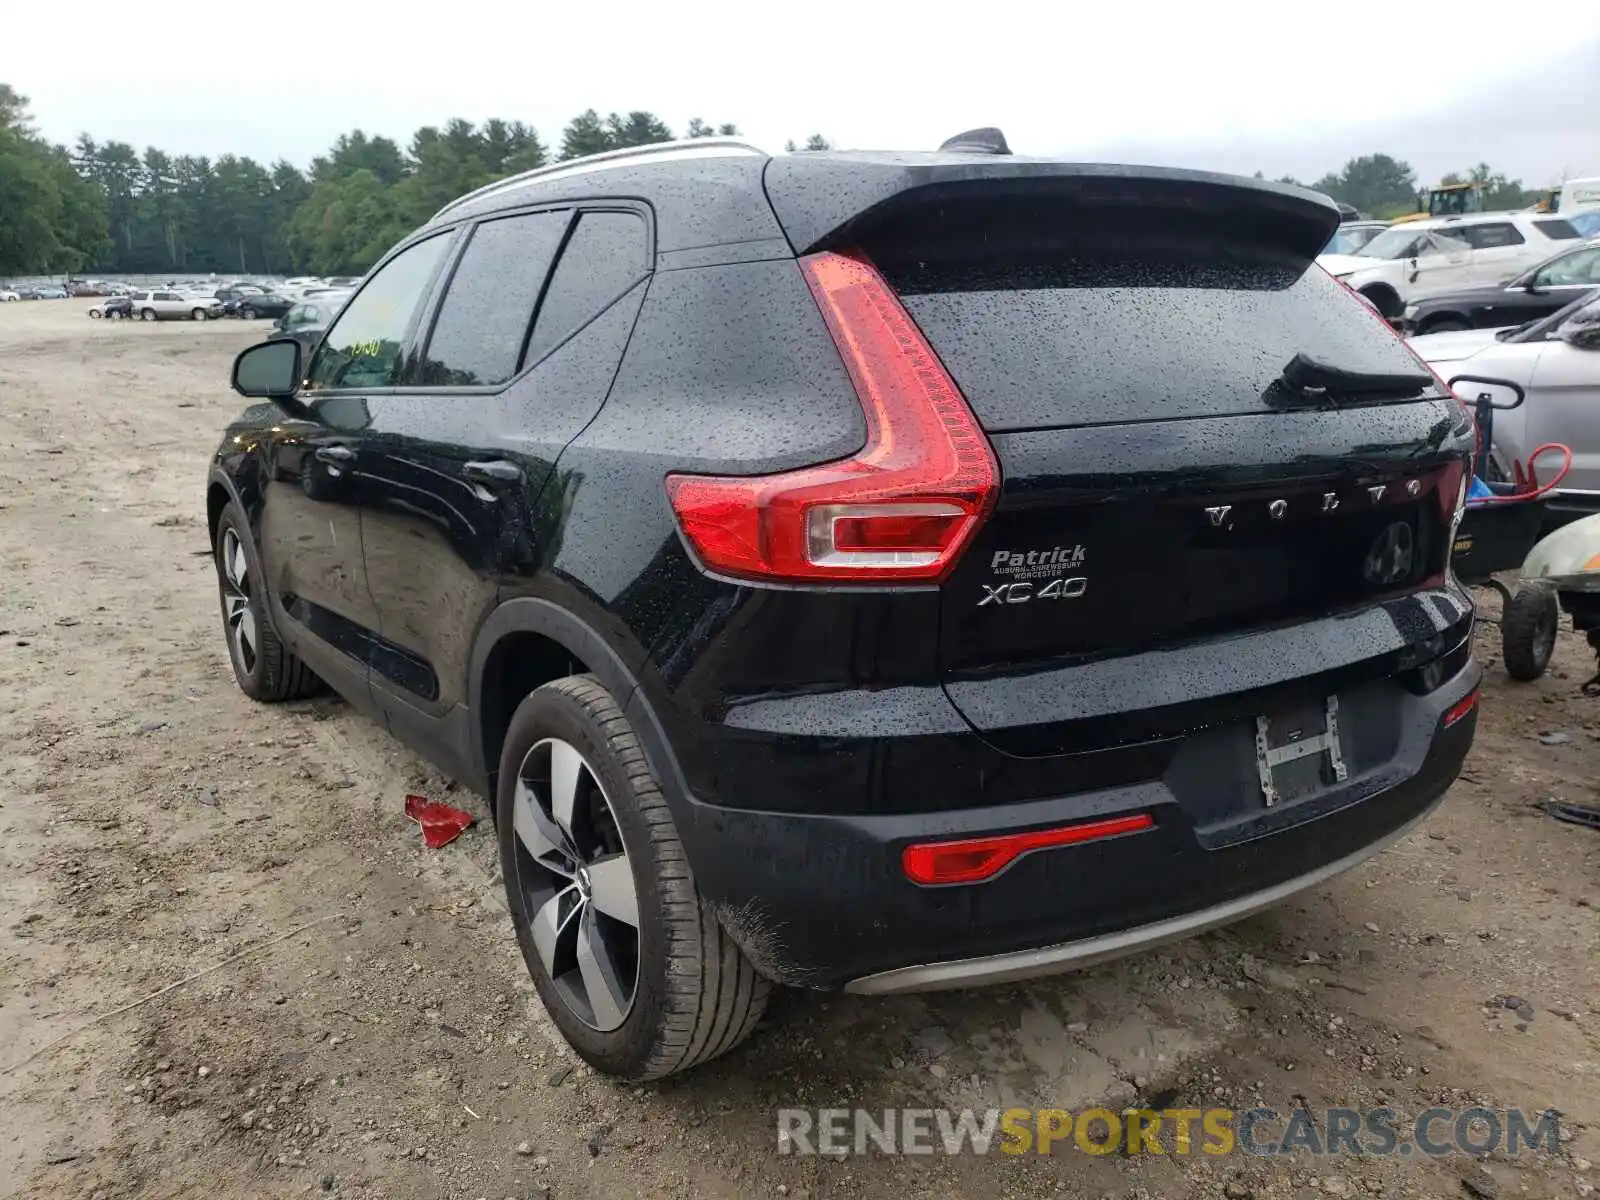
pixel 837 200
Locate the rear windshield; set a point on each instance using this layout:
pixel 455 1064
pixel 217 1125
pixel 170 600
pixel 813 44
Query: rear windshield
pixel 1078 341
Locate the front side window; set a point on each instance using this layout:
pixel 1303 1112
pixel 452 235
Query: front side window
pixel 483 322
pixel 363 348
pixel 1578 269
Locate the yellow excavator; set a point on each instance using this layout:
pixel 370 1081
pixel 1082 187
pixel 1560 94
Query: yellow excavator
pixel 1446 200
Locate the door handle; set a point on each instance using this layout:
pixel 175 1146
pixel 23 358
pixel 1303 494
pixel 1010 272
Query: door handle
pixel 335 455
pixel 493 473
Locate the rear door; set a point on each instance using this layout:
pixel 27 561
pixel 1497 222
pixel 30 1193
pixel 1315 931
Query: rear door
pixel 518 359
pixel 1499 250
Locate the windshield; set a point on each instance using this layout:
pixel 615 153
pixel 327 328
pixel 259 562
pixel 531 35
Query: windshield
pixel 1350 240
pixel 1391 243
pixel 1537 331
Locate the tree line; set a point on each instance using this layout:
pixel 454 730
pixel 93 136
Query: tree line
pixel 109 207
pixel 1386 187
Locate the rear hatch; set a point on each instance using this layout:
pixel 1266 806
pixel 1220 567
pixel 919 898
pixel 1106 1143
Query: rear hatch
pixel 1202 436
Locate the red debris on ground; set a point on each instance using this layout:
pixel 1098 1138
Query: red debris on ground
pixel 440 823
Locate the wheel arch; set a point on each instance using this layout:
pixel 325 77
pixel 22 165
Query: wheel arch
pixel 1432 320
pixel 1385 298
pixel 528 641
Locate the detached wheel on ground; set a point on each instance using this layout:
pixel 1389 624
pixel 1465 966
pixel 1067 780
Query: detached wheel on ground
pixel 628 958
pixel 1528 631
pixel 263 665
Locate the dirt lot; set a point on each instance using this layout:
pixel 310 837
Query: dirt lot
pixel 154 823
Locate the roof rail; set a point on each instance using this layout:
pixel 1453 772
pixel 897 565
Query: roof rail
pixel 685 147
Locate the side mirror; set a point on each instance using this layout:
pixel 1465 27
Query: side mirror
pixel 271 371
pixel 1580 337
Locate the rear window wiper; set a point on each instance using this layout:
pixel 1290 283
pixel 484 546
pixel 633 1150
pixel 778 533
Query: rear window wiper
pixel 1309 381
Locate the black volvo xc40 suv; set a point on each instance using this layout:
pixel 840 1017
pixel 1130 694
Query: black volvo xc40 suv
pixel 877 571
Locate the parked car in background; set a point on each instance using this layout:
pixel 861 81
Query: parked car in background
pixel 7 295
pixel 172 305
pixel 1537 292
pixel 1556 360
pixel 306 321
pixel 257 304
pixel 1422 258
pixel 1351 236
pixel 883 606
pixel 46 293
pixel 115 308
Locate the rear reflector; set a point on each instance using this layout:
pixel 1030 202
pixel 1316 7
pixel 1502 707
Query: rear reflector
pixel 973 860
pixel 903 508
pixel 1461 708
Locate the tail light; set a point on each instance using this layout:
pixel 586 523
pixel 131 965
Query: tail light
pixel 903 508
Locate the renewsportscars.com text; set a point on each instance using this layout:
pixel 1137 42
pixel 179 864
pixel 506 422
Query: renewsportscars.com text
pixel 1265 1132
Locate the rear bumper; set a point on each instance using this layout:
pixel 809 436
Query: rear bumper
pixel 820 899
pixel 1072 956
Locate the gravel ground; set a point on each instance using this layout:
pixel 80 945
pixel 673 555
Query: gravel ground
pixel 387 1043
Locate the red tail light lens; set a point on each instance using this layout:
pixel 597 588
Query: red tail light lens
pixel 973 860
pixel 903 508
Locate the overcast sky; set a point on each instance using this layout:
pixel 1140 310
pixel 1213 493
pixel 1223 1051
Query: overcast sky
pixel 1284 86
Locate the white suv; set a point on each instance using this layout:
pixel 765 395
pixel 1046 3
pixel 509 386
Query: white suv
pixel 172 305
pixel 1420 258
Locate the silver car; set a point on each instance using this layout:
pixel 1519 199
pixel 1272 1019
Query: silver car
pixel 166 305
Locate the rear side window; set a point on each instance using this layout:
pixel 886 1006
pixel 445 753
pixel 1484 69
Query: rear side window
pixel 1151 333
pixel 483 322
pixel 1490 236
pixel 1557 229
pixel 607 254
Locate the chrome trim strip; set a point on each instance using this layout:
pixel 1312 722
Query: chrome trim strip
pixel 1072 956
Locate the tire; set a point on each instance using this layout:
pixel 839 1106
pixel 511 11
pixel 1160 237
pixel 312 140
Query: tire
pixel 248 313
pixel 147 314
pixel 95 314
pixel 1444 325
pixel 114 315
pixel 694 994
pixel 1528 631
pixel 264 667
pixel 199 314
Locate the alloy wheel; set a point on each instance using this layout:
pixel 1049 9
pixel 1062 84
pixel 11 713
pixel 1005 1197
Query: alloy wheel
pixel 237 610
pixel 575 884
